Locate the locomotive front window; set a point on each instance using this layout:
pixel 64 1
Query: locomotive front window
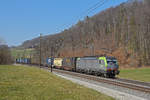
pixel 112 61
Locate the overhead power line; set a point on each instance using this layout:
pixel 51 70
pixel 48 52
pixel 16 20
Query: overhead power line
pixel 97 6
pixel 88 11
pixel 94 7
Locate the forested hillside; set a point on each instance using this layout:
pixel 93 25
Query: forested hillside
pixel 122 31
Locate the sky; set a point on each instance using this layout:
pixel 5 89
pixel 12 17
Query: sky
pixel 22 20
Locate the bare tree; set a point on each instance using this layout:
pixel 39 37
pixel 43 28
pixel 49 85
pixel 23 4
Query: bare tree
pixel 5 53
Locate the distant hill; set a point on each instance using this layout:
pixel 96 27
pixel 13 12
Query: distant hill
pixel 122 31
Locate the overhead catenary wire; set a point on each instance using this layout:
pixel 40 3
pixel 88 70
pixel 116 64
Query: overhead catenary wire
pixel 101 4
pixel 86 12
pixel 94 7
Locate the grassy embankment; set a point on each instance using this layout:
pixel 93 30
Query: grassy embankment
pixel 141 74
pixel 28 83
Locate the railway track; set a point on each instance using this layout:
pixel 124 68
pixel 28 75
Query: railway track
pixel 135 82
pixel 130 84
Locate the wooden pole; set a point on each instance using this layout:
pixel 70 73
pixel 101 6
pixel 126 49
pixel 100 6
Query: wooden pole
pixel 40 50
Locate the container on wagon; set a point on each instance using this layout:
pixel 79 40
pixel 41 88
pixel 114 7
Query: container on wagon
pixel 49 61
pixel 69 63
pixel 58 63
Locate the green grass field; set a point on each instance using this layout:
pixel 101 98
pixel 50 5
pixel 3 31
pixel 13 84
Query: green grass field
pixel 28 83
pixel 141 74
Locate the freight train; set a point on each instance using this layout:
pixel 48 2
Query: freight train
pixel 96 65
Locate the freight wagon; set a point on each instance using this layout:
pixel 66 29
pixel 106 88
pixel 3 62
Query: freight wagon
pixel 49 61
pixel 26 61
pixel 17 60
pixel 23 60
pixel 69 64
pixel 57 63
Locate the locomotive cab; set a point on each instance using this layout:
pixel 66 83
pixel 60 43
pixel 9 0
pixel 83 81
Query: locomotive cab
pixel 109 65
pixel 112 66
